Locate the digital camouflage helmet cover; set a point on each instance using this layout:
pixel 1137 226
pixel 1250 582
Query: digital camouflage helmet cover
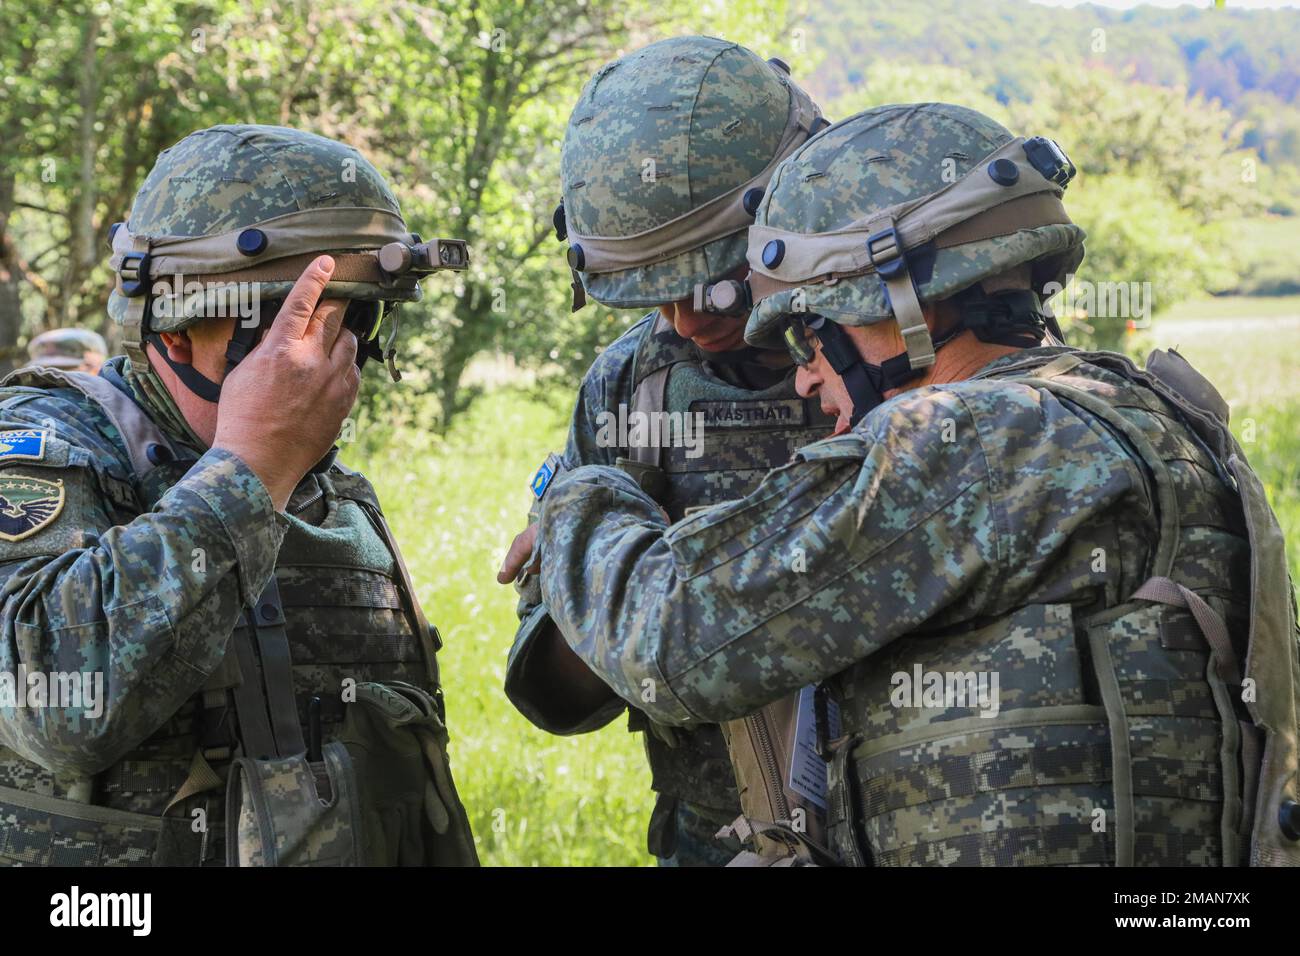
pixel 902 205
pixel 233 208
pixel 664 159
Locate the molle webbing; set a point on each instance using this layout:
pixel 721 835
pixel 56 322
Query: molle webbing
pixel 46 831
pixel 1155 771
pixel 1127 716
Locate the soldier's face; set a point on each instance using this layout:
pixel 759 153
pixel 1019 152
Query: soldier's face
pixel 711 332
pixel 818 378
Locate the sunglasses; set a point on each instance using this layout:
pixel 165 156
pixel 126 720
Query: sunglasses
pixel 798 339
pixel 362 319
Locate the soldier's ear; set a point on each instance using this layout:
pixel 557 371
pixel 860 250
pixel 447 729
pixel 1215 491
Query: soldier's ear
pixel 179 346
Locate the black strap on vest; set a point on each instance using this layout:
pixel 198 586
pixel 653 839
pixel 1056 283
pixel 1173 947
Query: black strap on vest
pixel 264 700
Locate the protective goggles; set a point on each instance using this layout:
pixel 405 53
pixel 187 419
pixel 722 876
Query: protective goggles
pixel 798 341
pixel 362 318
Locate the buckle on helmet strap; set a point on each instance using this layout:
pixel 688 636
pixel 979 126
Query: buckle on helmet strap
pixel 134 273
pixel 885 249
pixel 133 276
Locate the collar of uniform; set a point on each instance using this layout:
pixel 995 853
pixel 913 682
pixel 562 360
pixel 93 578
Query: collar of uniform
pixel 1022 359
pixel 148 389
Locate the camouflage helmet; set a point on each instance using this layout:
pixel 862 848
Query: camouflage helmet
pixel 901 205
pixel 664 159
pixel 65 348
pixel 253 206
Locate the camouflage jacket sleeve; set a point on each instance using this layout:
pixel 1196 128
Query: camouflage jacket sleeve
pixel 942 506
pixel 607 384
pixel 147 605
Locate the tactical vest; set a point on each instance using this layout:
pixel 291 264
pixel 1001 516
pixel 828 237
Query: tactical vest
pixel 745 434
pixel 1125 734
pixel 340 612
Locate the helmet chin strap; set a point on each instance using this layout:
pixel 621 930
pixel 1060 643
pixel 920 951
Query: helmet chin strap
pixel 1013 317
pixel 241 343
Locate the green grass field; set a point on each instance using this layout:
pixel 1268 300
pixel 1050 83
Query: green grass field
pixel 533 799
pixel 456 503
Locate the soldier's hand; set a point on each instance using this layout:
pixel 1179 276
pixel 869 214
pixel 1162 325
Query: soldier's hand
pixel 519 551
pixel 281 408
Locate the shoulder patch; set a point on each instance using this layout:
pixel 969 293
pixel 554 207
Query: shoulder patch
pixel 27 505
pixel 22 444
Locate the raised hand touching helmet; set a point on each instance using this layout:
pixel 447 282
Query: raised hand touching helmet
pixel 249 631
pixel 222 227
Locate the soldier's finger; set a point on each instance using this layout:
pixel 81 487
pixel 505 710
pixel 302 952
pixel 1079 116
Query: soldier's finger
pixel 351 384
pixel 344 350
pixel 326 322
pixel 518 553
pixel 294 316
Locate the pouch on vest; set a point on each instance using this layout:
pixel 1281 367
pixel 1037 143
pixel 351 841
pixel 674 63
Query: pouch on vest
pixel 410 812
pixel 288 811
pixel 1272 665
pixel 1270 784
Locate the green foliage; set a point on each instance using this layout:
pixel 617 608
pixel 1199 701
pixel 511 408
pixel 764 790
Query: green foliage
pixel 1158 175
pixel 464 106
pixel 1266 250
pixel 894 81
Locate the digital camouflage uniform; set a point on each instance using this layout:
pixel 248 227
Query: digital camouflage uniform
pixel 270 686
pixel 767 423
pixel 1087 533
pixel 681 129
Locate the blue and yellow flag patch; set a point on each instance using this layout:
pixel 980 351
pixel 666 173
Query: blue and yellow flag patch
pixel 27 505
pixel 544 475
pixel 22 444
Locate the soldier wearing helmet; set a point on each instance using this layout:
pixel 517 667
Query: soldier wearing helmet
pixel 79 349
pixel 665 157
pixel 249 677
pixel 1041 593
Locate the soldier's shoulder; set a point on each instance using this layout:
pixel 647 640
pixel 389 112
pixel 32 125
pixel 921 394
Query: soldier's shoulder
pixel 61 414
pixel 616 358
pixel 24 402
pixel 60 472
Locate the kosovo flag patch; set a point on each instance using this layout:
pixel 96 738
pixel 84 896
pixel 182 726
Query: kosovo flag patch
pixel 22 444
pixel 27 505
pixel 541 480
